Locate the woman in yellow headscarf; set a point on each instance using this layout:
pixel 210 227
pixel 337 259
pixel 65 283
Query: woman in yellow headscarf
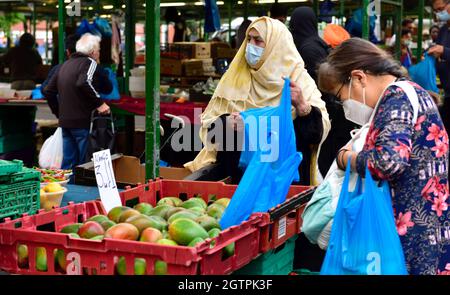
pixel 255 80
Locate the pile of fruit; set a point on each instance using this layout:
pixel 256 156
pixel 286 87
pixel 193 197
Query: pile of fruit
pixel 53 175
pixel 172 222
pixel 52 187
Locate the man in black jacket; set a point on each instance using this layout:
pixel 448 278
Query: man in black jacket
pixel 70 44
pixel 77 84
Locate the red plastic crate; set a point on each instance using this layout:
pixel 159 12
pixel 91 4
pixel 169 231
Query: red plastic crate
pixel 283 222
pixel 99 257
pixel 274 231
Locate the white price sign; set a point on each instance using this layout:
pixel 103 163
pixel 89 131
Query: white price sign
pixel 106 182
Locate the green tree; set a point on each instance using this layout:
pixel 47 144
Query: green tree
pixel 7 20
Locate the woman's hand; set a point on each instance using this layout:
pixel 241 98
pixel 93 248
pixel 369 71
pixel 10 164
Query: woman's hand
pixel 344 155
pixel 236 122
pixel 302 108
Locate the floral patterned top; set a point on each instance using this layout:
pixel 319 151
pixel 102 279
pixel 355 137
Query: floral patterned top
pixel 414 160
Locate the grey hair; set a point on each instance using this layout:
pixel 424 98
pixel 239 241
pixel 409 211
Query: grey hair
pixel 88 43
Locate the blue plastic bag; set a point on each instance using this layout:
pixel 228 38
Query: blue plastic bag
pixel 424 73
pixel 86 27
pixel 364 238
pixel 102 25
pixel 212 16
pixel 271 167
pixel 354 25
pixel 114 95
pixel 37 93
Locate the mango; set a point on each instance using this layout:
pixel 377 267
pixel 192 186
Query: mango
pixel 114 213
pixel 74 235
pixel 184 230
pixel 41 259
pixel 98 218
pixel 224 202
pixel 123 231
pixel 160 267
pixel 171 201
pixel 228 251
pixel 53 187
pixel 107 224
pixel 194 202
pixel 173 211
pixel 98 238
pixel 183 214
pixel 215 232
pixel 207 222
pixel 140 266
pixel 22 256
pixel 141 222
pixel 143 208
pixel 167 242
pixel 151 235
pixel 215 211
pixel 90 229
pixel 60 259
pixel 197 210
pixel 73 228
pixel 127 214
pixel 160 210
pixel 195 241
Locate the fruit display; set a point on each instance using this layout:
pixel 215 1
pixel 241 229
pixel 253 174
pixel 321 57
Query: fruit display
pixel 171 223
pixel 53 175
pixel 51 195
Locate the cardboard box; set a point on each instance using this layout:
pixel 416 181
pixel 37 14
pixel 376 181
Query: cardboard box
pixel 193 67
pixel 196 50
pixel 170 66
pixel 127 171
pixel 215 46
pixel 228 53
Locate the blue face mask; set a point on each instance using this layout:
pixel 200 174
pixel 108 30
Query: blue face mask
pixel 443 15
pixel 253 54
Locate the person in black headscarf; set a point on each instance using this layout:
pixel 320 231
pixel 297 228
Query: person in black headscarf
pixel 314 50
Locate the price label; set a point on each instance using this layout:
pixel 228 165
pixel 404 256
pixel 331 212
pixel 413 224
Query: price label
pixel 106 182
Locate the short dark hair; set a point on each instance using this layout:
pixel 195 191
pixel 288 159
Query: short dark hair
pixel 71 43
pixel 27 41
pixel 407 22
pixel 434 27
pixel 406 32
pixel 278 10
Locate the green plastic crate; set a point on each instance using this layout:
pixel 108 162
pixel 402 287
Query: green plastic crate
pixel 279 261
pixel 15 142
pixel 8 167
pixel 19 193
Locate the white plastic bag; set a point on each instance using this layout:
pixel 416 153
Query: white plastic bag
pixel 51 154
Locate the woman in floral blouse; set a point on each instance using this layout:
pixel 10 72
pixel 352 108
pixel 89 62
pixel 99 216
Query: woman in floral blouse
pixel 406 147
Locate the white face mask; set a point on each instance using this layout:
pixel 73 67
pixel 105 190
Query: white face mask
pixel 253 54
pixel 355 111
